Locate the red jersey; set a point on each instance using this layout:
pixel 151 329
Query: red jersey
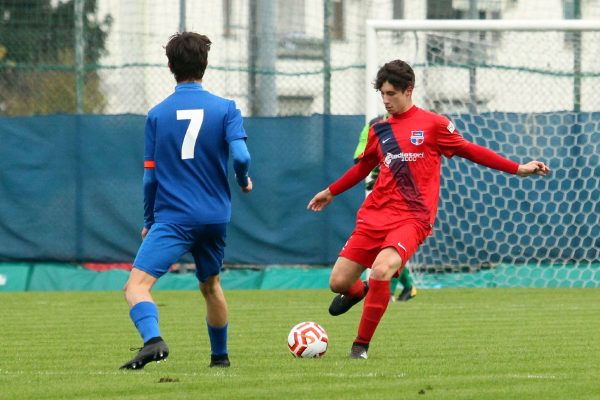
pixel 408 148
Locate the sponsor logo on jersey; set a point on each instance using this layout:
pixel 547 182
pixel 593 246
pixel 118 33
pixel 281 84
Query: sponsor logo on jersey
pixel 406 157
pixel 450 127
pixel 417 137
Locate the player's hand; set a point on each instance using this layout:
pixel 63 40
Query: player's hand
pixel 533 167
pixel 320 201
pixel 144 232
pixel 248 187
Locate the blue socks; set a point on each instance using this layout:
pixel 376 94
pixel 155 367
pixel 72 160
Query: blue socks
pixel 145 317
pixel 218 339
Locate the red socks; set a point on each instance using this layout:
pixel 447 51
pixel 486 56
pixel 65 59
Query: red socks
pixel 375 305
pixel 357 290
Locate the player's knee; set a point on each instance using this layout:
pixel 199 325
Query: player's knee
pixel 383 270
pixel 337 284
pixel 211 286
pixel 135 292
pixel 205 290
pixel 377 273
pixel 128 289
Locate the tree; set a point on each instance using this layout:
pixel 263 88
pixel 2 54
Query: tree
pixel 37 56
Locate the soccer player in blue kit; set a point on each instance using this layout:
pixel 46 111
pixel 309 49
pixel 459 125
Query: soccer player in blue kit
pixel 187 202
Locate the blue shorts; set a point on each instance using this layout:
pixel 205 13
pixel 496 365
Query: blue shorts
pixel 165 244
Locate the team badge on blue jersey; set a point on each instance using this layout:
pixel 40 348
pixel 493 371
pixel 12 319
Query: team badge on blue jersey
pixel 417 137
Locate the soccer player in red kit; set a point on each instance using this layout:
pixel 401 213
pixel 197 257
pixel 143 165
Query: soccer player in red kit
pixel 399 214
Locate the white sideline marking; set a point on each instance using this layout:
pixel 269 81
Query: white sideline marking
pixel 535 376
pixel 117 372
pixel 364 375
pixel 532 376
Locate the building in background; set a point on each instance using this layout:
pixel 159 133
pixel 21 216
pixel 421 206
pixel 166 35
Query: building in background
pixel 299 57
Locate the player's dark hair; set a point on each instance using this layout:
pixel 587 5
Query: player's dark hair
pixel 188 55
pixel 398 73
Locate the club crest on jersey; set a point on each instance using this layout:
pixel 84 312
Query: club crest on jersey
pixel 417 137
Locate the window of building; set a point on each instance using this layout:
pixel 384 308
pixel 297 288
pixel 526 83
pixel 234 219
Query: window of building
pixel 398 9
pixel 294 37
pixel 460 47
pixel 338 29
pixel 290 18
pixel 227 18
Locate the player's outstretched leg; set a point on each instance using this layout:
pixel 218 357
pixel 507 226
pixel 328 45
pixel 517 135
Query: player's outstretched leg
pixel 345 301
pixel 154 350
pixel 376 303
pixel 144 315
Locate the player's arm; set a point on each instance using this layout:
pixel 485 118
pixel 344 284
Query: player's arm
pixel 451 143
pixel 367 161
pixel 356 174
pixel 241 163
pixel 150 186
pixel 149 181
pixel 488 158
pixel 236 136
pixel 533 167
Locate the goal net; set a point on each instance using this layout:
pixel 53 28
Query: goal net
pixel 528 90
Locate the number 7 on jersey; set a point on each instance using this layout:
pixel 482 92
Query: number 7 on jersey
pixel 191 134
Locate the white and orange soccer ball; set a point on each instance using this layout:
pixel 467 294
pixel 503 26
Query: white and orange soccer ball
pixel 308 340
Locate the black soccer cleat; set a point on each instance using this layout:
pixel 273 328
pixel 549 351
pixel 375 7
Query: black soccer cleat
pixel 359 351
pixel 407 293
pixel 219 361
pixel 154 350
pixel 342 303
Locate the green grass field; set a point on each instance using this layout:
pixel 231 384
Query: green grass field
pixel 445 344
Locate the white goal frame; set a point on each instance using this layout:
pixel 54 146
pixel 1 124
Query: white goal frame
pixel 465 25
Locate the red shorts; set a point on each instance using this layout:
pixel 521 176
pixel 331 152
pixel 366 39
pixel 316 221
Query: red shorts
pixel 364 245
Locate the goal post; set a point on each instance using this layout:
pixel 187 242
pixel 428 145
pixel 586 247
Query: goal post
pixel 528 89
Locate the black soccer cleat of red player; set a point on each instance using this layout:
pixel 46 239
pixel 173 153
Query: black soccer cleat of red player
pixel 154 350
pixel 359 351
pixel 221 361
pixel 342 303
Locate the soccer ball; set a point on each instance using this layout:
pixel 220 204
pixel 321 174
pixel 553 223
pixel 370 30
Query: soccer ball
pixel 308 340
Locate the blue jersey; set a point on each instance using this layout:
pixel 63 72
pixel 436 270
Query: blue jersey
pixel 187 143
